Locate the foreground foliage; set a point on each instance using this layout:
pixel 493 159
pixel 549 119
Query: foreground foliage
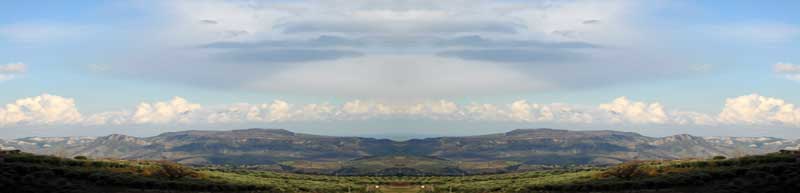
pixel 777 172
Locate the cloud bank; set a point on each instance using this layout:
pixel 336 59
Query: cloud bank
pixel 748 110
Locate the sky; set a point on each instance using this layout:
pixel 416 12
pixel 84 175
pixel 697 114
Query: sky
pixel 399 68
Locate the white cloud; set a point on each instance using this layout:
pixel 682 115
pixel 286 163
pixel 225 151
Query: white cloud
pixel 109 118
pixel 18 67
pixel 759 110
pixel 436 110
pixel 523 111
pixel 315 112
pixel 624 110
pixel 12 70
pixel 692 118
pixel 788 70
pixel 486 112
pixel 362 110
pixel 40 110
pixel 276 111
pixel 749 110
pixel 177 110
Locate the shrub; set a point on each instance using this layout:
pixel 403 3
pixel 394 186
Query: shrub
pixel 80 157
pixel 173 170
pixel 719 157
pixel 626 171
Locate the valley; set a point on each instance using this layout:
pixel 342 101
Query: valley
pixel 285 151
pixel 25 172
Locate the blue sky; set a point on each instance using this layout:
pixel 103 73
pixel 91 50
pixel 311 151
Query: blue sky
pixel 399 67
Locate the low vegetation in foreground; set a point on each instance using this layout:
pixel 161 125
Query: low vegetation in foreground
pixel 775 172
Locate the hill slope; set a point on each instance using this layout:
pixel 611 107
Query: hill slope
pixel 294 151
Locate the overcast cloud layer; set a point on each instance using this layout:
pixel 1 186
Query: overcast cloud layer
pixel 398 49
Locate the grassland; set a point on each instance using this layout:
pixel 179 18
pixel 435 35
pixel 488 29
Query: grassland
pixel 777 172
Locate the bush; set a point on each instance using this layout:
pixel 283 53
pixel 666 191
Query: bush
pixel 173 170
pixel 80 157
pixel 626 171
pixel 719 157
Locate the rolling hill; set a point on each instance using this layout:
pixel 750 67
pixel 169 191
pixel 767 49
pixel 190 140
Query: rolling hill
pixel 278 149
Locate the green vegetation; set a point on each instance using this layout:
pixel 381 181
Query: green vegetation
pixel 22 172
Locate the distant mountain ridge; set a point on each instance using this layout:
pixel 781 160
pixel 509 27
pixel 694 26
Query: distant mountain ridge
pixel 325 154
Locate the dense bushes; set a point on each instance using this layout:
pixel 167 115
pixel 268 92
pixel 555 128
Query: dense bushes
pixel 625 171
pixel 31 173
pixel 766 173
pixel 174 171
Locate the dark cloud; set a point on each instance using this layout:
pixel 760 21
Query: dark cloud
pixel 209 21
pixel 235 33
pixel 565 33
pixel 591 21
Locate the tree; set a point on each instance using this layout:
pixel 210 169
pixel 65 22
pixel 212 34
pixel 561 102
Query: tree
pixel 80 157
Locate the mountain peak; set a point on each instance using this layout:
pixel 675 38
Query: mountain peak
pixel 537 130
pixel 684 137
pixel 679 139
pixel 117 137
pixel 121 139
pixel 261 130
pixel 239 134
pixel 560 133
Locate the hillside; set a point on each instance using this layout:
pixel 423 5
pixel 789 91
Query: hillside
pixel 775 172
pixel 282 150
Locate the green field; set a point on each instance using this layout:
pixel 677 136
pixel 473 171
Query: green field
pixel 22 172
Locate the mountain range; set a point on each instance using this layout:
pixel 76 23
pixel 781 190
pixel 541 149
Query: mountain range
pixel 283 150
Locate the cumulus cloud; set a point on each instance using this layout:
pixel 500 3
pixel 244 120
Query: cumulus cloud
pixel 748 110
pixel 108 118
pixel 12 70
pixel 277 111
pixel 40 110
pixel 755 109
pixel 686 118
pixel 624 110
pixel 788 70
pixel 176 110
pixel 523 111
